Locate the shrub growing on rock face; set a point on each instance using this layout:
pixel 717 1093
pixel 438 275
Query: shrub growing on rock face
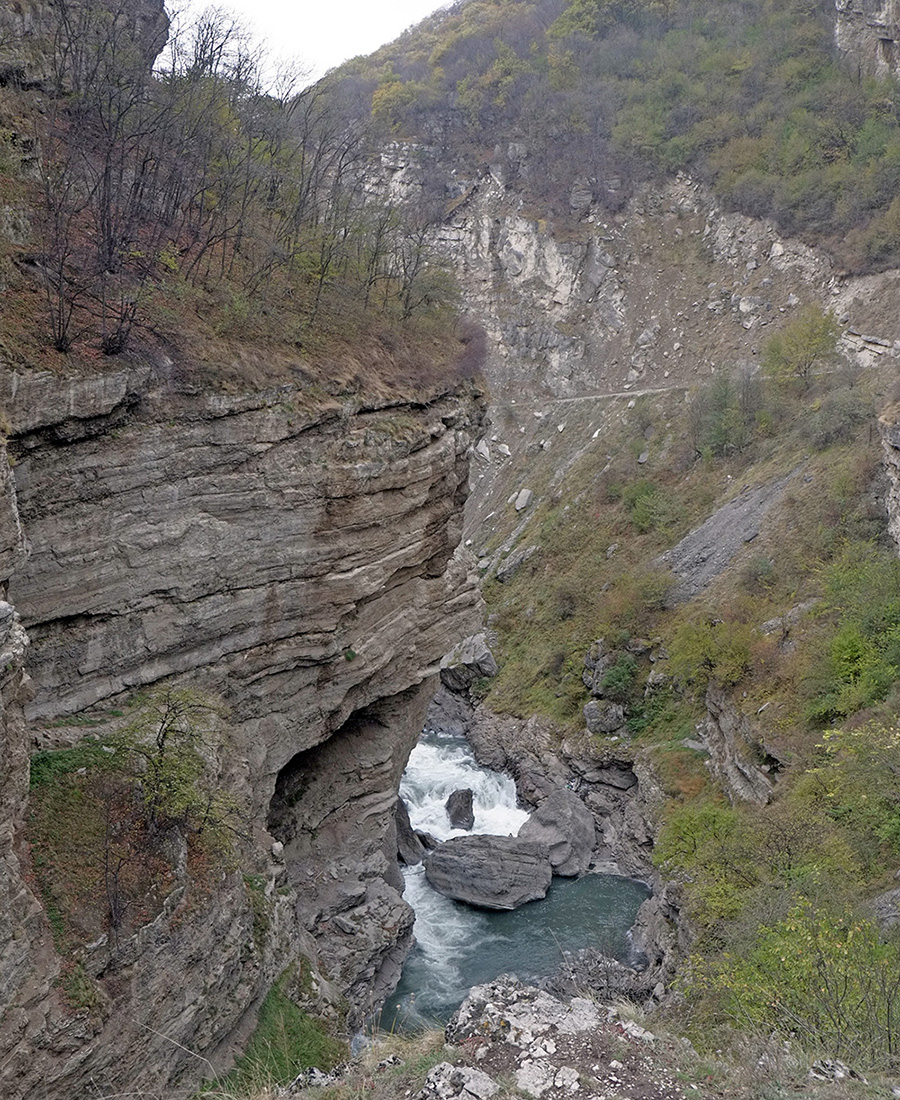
pixel 805 345
pixel 164 749
pixel 710 649
pixel 113 823
pixel 618 680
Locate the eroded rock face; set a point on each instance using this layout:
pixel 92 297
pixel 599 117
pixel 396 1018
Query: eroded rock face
pixel 566 826
pixel 296 561
pixel 410 849
pixel 492 872
pixel 869 32
pixel 732 747
pixel 27 34
pixel 890 436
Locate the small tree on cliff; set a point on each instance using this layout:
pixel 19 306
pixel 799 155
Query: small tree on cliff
pixel 166 749
pixel 804 345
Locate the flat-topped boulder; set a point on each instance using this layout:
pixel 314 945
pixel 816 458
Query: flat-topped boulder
pixel 492 872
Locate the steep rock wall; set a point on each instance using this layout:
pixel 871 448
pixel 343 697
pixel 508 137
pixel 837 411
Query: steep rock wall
pixel 295 558
pixel 28 29
pixel 868 32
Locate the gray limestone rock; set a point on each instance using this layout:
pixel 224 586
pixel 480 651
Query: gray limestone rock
pixel 512 564
pixel 459 809
pixel 733 744
pixel 449 1082
pixel 603 718
pixel 566 826
pixel 410 848
pixel 471 660
pixel 492 872
pixel 297 564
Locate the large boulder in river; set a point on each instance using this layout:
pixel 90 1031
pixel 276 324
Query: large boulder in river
pixel 566 826
pixel 460 809
pixel 493 872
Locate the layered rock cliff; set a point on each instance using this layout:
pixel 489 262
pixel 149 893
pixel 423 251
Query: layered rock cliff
pixel 293 557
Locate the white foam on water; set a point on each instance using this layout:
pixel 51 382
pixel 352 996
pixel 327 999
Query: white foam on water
pixel 439 766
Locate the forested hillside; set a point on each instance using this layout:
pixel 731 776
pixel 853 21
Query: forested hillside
pixel 192 204
pixel 748 96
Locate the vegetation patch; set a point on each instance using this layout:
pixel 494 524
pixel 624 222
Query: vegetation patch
pixel 286 1041
pixel 110 822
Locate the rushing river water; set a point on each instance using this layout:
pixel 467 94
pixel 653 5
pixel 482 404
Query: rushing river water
pixel 458 946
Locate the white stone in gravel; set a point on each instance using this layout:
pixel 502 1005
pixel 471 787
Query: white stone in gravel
pixel 535 1077
pixel 447 1082
pixel 567 1078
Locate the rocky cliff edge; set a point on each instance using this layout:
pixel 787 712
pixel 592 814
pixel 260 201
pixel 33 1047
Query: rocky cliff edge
pixel 293 557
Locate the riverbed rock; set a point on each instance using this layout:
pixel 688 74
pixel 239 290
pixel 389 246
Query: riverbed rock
pixel 410 848
pixel 460 809
pixel 566 826
pixel 492 872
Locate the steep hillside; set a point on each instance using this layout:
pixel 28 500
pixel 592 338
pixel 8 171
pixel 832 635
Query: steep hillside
pixel 582 101
pixel 682 509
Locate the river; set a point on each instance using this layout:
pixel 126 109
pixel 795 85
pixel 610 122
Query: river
pixel 458 946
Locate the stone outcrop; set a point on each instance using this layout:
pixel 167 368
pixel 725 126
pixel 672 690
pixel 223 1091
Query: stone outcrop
pixel 890 436
pixel 550 1047
pixel 621 794
pixel 294 558
pixel 868 32
pixel 566 826
pixel 460 809
pixel 735 753
pixel 468 662
pixel 708 550
pixel 27 34
pixel 492 872
pixel 410 849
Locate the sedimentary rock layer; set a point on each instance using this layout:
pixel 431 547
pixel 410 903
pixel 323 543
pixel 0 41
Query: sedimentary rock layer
pixel 294 557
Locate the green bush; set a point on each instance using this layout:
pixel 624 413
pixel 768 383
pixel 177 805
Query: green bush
pixel 822 976
pixel 707 649
pixel 618 681
pixel 650 507
pixel 835 418
pixel 805 344
pixel 855 784
pixel 862 659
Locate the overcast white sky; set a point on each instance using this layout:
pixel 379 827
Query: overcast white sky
pixel 322 33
